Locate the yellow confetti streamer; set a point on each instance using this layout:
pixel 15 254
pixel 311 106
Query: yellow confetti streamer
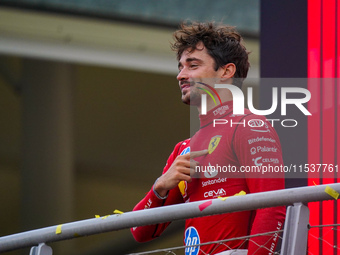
pixel 58 230
pixel 314 183
pixel 117 212
pixel 97 216
pixel 333 193
pixel 241 193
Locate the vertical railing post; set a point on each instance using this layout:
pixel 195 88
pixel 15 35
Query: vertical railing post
pixel 295 230
pixel 41 249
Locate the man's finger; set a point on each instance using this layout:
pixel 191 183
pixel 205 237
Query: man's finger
pixel 195 154
pixel 193 164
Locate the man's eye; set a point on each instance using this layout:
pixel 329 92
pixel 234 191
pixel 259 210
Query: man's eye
pixel 193 66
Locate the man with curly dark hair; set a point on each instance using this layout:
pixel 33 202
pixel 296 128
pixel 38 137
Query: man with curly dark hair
pixel 223 43
pixel 209 54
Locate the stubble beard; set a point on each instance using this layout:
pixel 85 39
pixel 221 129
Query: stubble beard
pixel 194 97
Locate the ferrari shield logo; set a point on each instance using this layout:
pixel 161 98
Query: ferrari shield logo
pixel 213 143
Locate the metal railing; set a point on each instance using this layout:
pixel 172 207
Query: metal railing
pixel 293 239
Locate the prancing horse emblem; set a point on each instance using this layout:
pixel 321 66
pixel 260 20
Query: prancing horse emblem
pixel 214 141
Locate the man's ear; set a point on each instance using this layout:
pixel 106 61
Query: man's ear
pixel 229 71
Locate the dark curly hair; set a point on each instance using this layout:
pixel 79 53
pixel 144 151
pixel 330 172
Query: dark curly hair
pixel 223 43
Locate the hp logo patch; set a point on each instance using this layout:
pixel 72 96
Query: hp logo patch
pixel 185 151
pixel 191 238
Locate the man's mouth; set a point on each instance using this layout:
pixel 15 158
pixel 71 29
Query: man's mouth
pixel 185 86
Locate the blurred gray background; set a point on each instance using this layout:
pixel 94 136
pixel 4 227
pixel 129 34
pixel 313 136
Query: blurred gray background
pixel 90 109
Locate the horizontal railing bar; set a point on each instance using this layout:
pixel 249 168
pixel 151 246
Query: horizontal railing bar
pixel 324 226
pixel 165 214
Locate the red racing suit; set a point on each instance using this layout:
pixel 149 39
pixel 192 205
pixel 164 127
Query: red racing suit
pixel 236 144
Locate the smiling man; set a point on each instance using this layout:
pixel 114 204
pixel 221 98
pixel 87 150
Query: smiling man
pixel 209 54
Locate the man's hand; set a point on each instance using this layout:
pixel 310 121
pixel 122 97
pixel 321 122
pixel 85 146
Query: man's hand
pixel 181 170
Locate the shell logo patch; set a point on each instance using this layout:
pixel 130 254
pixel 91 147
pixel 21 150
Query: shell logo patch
pixel 214 141
pixel 183 188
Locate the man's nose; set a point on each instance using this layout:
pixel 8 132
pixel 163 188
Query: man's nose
pixel 182 75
